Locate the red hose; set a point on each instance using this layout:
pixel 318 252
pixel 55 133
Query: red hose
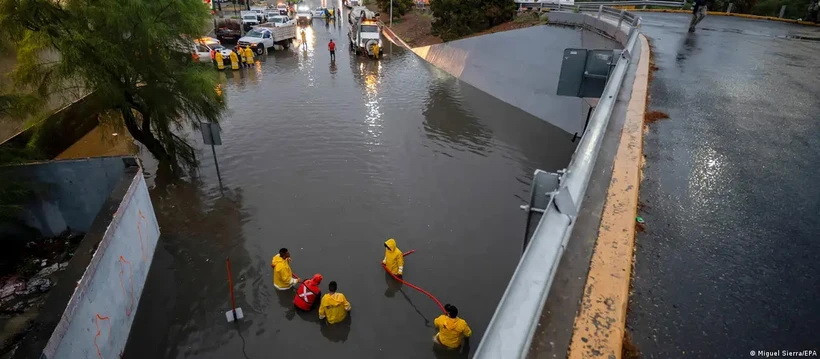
pixel 411 285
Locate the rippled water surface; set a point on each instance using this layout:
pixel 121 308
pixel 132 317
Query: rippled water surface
pixel 329 160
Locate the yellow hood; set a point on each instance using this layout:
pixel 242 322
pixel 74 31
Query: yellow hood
pixel 276 260
pixel 334 299
pixel 391 244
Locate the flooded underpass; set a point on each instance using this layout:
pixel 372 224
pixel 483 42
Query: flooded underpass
pixel 329 159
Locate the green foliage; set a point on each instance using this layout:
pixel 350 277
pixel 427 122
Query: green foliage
pixel 794 8
pixel 135 53
pixel 457 18
pixel 400 7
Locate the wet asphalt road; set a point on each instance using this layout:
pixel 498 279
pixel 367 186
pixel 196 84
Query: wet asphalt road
pixel 330 159
pixel 727 263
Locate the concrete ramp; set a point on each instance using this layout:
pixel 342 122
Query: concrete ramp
pixel 520 67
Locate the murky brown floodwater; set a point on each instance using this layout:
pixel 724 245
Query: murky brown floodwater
pixel 329 160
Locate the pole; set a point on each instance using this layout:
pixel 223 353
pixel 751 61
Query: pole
pixel 391 14
pixel 230 286
pixel 216 163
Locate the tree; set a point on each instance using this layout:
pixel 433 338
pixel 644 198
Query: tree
pixel 458 18
pixel 400 7
pixel 133 53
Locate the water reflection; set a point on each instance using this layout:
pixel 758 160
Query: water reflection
pixel 448 124
pixel 199 230
pixel 368 74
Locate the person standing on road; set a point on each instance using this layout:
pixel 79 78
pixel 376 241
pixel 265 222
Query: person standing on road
pixel 334 305
pixel 451 329
pixel 331 46
pixel 220 61
pixel 393 258
pixel 283 277
pixel 234 61
pixel 248 56
pixel 698 13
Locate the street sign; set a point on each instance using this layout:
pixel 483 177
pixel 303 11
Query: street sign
pixel 210 133
pixel 584 72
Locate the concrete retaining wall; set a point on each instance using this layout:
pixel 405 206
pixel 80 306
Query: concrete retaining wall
pixel 521 67
pixel 97 320
pixel 67 194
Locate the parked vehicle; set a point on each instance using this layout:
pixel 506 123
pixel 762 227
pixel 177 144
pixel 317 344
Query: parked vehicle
pixel 283 9
pixel 249 20
pixel 203 46
pixel 260 10
pixel 365 32
pixel 281 20
pixel 303 14
pixel 228 30
pixel 270 14
pixel 319 12
pixel 267 35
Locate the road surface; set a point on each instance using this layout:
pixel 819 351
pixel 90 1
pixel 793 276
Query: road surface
pixel 727 264
pixel 329 159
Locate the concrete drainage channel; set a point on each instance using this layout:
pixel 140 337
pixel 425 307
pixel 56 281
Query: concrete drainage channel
pixel 88 313
pixel 510 332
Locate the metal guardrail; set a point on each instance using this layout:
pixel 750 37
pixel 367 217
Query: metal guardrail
pixel 511 330
pixel 636 3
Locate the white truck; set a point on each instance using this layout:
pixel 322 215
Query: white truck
pixel 365 32
pixel 249 19
pixel 267 35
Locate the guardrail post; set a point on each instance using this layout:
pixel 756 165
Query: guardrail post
pixel 730 8
pixel 621 18
pixel 644 7
pixel 600 10
pixel 559 5
pixel 782 11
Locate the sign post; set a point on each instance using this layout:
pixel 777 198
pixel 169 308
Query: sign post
pixel 211 136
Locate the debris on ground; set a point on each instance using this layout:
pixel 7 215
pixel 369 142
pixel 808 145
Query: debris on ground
pixel 27 272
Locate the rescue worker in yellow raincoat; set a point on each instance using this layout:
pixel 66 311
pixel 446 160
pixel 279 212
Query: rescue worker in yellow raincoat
pixel 334 306
pixel 220 61
pixel 451 329
pixel 283 277
pixel 234 61
pixel 393 258
pixel 249 56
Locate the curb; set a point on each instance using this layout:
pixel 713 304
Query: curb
pixel 745 16
pixel 393 37
pixel 600 324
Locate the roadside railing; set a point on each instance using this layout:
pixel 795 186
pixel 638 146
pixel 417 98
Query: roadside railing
pixel 511 329
pixel 635 3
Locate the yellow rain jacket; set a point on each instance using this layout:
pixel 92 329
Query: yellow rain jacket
pixel 451 331
pixel 234 61
pixel 334 306
pixel 248 55
pixel 282 273
pixel 393 258
pixel 220 61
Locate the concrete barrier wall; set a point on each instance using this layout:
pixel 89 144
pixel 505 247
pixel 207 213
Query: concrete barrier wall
pixel 521 67
pixel 97 320
pixel 65 193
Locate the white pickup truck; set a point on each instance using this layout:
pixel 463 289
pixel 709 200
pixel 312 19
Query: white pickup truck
pixel 267 35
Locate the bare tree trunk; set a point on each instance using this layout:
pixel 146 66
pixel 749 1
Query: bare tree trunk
pixel 144 135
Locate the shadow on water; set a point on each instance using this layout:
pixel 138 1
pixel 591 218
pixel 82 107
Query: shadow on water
pixel 394 287
pixel 199 230
pixel 336 332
